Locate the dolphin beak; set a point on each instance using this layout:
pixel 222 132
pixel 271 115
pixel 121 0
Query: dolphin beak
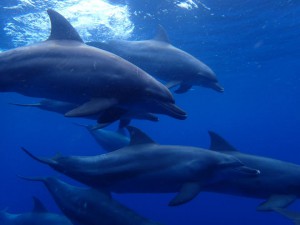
pixel 217 87
pixel 173 111
pixel 247 171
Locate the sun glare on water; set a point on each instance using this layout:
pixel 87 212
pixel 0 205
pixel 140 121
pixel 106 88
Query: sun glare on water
pixel 93 19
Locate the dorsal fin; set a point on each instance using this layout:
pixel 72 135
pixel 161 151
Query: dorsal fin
pixel 61 29
pixel 217 143
pixel 161 35
pixel 38 206
pixel 138 137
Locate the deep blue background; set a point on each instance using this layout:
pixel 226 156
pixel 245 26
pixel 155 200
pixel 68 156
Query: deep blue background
pixel 253 46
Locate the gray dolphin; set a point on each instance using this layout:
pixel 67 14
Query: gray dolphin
pixel 50 105
pixel 164 61
pixel 62 107
pixel 278 182
pixel 90 206
pixel 38 216
pixel 147 167
pixel 64 68
pixel 107 139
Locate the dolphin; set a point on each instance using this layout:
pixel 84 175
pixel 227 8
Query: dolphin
pixel 62 107
pixel 107 139
pixel 90 206
pixel 164 61
pixel 50 105
pixel 63 68
pixel 38 216
pixel 147 167
pixel 278 182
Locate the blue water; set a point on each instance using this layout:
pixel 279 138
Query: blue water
pixel 253 46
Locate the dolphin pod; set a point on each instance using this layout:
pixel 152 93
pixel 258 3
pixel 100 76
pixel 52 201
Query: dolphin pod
pixel 79 80
pixel 90 206
pixel 164 61
pixel 279 191
pixel 100 83
pixel 141 166
pixel 38 216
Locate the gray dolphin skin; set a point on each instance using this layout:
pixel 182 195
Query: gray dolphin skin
pixel 278 183
pixel 147 167
pixel 50 105
pixel 107 139
pixel 63 68
pixel 164 61
pixel 38 216
pixel 62 107
pixel 87 206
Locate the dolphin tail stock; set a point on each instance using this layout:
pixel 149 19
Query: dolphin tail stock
pixel 292 215
pixel 39 159
pixel 188 192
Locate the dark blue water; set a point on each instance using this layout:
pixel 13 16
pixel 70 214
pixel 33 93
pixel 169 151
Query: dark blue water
pixel 253 46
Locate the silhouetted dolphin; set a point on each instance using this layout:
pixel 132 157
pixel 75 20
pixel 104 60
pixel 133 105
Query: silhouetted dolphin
pixel 64 68
pixel 38 216
pixel 278 182
pixel 164 61
pixel 146 167
pixel 62 107
pixel 90 206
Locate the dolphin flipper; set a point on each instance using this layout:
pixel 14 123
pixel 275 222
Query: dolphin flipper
pixel 95 106
pixel 276 201
pixel 187 193
pixel 294 216
pixel 172 84
pixel 183 88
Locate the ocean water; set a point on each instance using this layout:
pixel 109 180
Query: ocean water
pixel 253 46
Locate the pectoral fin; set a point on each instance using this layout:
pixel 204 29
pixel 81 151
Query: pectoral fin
pixel 187 193
pixel 92 107
pixel 172 84
pixel 184 87
pixel 276 201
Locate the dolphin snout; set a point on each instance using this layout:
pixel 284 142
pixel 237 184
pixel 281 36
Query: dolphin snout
pixel 174 111
pixel 217 87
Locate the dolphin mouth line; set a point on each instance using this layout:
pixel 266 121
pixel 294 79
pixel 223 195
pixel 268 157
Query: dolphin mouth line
pixel 218 87
pixel 173 110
